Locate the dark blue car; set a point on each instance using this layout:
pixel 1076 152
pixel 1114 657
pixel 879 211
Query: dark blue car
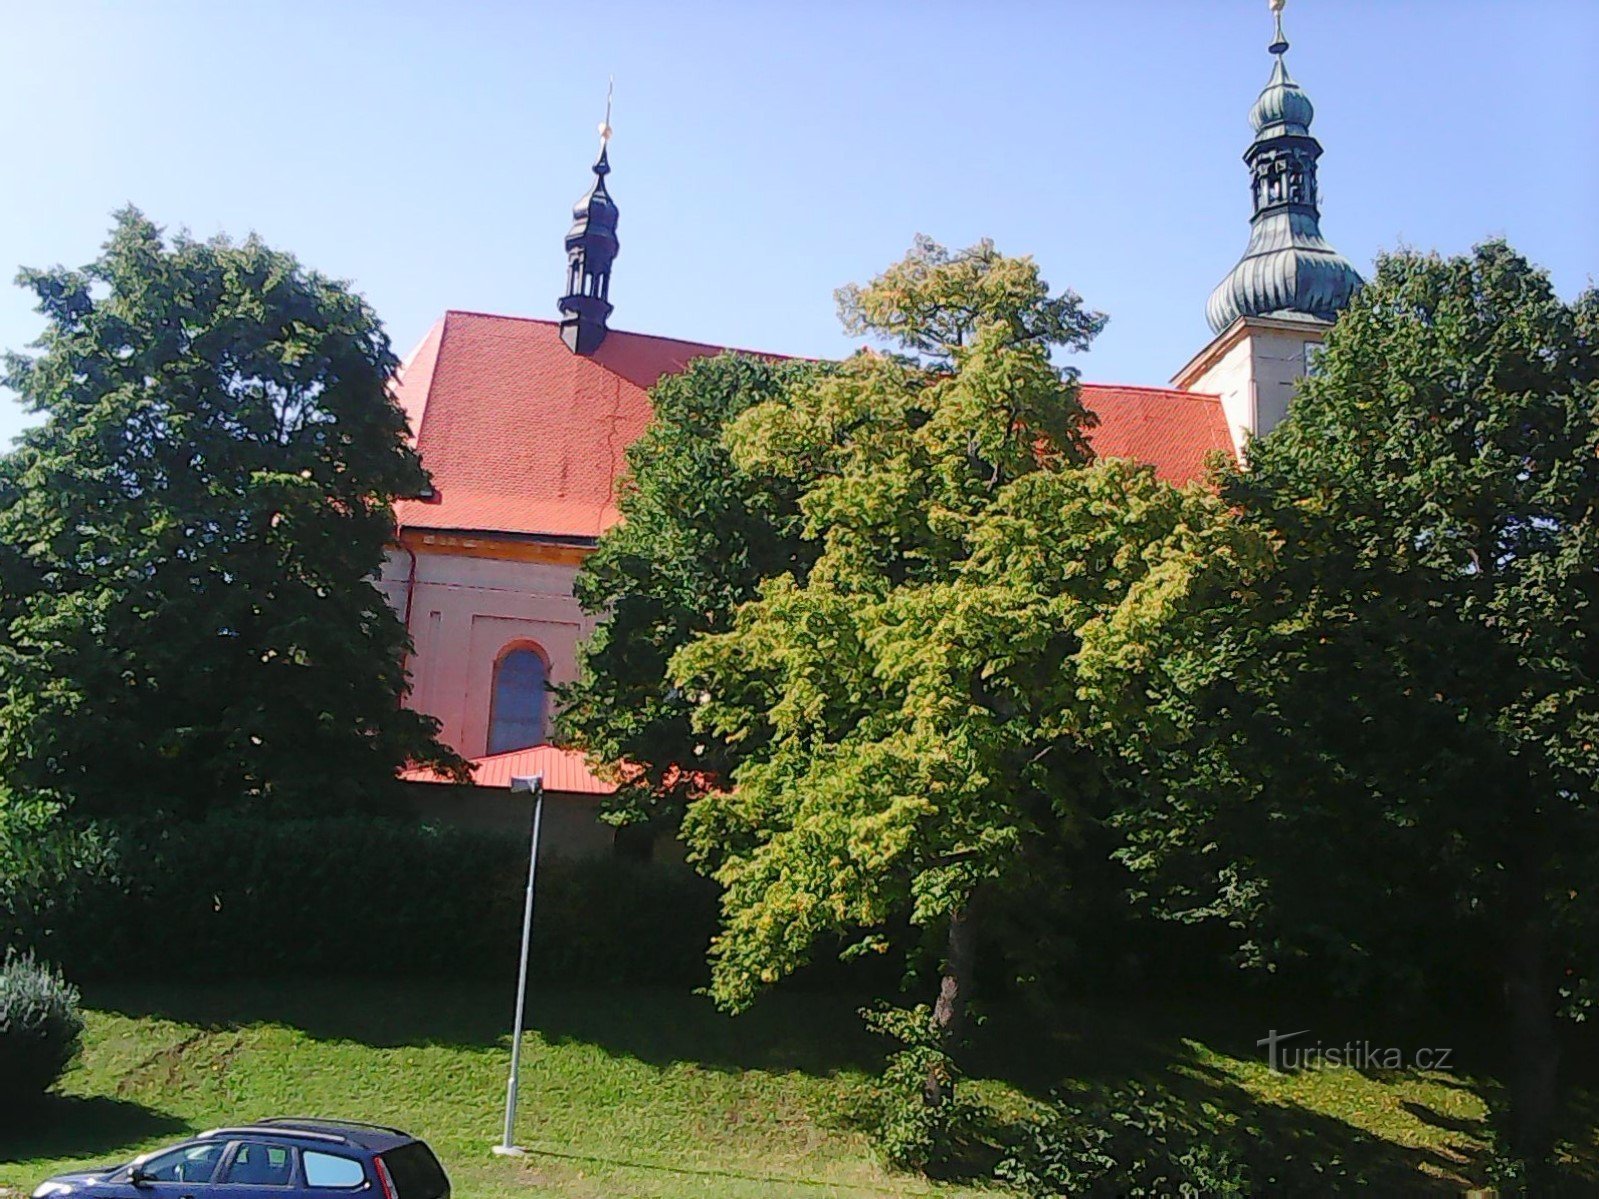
pixel 271 1159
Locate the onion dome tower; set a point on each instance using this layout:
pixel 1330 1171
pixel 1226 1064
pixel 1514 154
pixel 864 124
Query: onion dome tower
pixel 591 247
pixel 1288 269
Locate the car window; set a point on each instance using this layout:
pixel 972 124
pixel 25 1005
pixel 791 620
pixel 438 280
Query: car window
pixel 416 1172
pixel 192 1163
pixel 326 1170
pixel 260 1165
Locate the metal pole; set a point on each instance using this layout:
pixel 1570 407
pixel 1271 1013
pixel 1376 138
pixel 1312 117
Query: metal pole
pixel 535 785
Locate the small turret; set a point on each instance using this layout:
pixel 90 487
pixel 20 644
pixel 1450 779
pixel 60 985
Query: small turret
pixel 591 247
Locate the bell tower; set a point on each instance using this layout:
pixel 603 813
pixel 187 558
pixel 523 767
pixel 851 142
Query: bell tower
pixel 591 247
pixel 1271 311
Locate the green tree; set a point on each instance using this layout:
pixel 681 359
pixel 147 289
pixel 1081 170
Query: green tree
pixel 696 538
pixel 189 541
pixel 1393 736
pixel 914 718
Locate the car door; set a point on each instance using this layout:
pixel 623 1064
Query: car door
pixel 181 1173
pixel 256 1170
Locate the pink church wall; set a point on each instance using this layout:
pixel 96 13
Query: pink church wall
pixel 465 613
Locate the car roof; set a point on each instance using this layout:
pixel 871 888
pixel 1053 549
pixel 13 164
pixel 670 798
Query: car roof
pixel 375 1138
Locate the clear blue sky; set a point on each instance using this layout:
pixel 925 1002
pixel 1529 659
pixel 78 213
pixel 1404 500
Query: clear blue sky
pixel 767 152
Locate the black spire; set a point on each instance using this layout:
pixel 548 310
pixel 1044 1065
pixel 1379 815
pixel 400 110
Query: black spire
pixel 591 246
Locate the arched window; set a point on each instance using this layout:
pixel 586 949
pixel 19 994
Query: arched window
pixel 516 712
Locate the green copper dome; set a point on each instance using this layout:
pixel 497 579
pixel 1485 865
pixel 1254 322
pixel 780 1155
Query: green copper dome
pixel 1288 269
pixel 1283 106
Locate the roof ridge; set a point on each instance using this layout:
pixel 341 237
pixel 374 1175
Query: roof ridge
pixel 713 345
pixel 527 749
pixel 424 384
pixel 687 341
pixel 416 351
pixel 682 341
pixel 1174 392
pixel 499 316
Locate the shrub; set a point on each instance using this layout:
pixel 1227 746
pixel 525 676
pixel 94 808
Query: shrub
pixel 51 873
pixel 938 1139
pixel 40 1029
pixel 1129 1143
pixel 242 897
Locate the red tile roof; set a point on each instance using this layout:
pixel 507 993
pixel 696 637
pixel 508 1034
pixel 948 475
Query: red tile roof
pixel 1174 431
pixel 523 436
pixel 564 770
pixel 520 434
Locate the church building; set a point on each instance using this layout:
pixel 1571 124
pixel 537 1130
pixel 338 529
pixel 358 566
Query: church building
pixel 523 425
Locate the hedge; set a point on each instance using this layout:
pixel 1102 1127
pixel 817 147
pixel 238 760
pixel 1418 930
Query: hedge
pixel 255 898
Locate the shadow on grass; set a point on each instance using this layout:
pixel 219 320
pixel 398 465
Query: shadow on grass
pixel 67 1126
pixel 376 1013
pixel 1171 1046
pixel 818 1034
pixel 1581 1139
pixel 1088 1056
pixel 1468 1127
pixel 1195 1112
pixel 1087 1049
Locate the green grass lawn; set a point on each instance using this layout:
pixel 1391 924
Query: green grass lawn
pixel 633 1093
pixel 654 1094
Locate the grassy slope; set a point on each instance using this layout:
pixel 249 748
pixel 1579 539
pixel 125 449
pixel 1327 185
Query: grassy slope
pixel 630 1093
pixel 651 1094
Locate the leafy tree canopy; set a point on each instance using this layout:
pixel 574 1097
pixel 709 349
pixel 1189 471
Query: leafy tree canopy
pixel 925 716
pixel 1394 738
pixel 697 536
pixel 189 541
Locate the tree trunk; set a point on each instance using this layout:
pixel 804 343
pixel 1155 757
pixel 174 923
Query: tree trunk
pixel 1534 1046
pixel 954 991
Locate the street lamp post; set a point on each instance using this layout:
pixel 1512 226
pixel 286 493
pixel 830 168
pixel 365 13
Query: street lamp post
pixel 533 785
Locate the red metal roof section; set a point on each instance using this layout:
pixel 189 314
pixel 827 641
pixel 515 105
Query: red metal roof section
pixel 523 436
pixel 520 434
pixel 1174 431
pixel 564 770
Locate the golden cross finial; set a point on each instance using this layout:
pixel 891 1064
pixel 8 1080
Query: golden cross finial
pixel 605 125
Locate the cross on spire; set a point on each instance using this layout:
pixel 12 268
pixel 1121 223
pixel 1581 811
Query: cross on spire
pixel 1279 45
